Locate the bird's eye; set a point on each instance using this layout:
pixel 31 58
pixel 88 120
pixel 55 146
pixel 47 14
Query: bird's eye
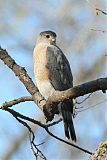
pixel 47 36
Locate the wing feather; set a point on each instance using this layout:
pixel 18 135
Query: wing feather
pixel 60 76
pixel 59 71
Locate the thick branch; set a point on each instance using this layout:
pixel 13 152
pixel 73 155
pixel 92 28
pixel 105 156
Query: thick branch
pixel 77 91
pixel 80 90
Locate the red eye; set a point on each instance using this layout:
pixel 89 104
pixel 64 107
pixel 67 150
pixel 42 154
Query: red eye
pixel 47 36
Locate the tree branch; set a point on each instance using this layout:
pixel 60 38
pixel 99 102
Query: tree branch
pixel 23 76
pixel 16 101
pixel 97 9
pixel 77 91
pixel 99 30
pixel 18 115
pixel 34 147
pixel 80 90
pixel 71 144
pixel 50 107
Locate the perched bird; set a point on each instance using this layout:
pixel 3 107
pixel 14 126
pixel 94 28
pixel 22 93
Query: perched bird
pixel 52 72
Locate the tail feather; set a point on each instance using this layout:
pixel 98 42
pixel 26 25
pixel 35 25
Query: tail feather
pixel 67 111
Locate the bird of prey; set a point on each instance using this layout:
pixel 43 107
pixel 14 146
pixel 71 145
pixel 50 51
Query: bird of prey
pixel 52 72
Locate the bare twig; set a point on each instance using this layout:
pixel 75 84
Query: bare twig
pixel 18 141
pixel 54 123
pixel 84 99
pixel 34 147
pixel 71 144
pixel 84 109
pixel 99 30
pixel 24 99
pixel 38 152
pixel 16 101
pixel 18 115
pixel 97 9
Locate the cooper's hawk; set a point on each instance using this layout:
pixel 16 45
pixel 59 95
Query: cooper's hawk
pixel 52 72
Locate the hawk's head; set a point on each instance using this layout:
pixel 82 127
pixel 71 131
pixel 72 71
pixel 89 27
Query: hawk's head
pixel 47 37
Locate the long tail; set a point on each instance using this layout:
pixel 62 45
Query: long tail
pixel 67 112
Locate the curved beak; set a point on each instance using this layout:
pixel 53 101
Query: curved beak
pixel 53 40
